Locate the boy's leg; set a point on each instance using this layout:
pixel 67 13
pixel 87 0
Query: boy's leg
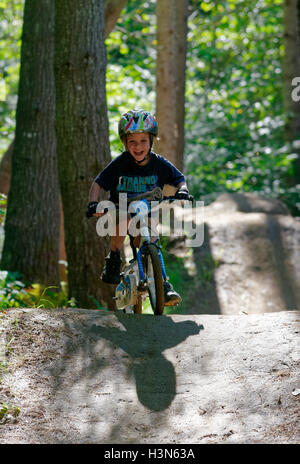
pixel 112 266
pixel 172 298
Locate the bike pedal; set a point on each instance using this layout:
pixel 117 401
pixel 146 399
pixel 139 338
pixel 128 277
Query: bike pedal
pixel 128 311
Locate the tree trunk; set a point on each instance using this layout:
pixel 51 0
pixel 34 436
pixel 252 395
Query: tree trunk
pixel 170 78
pixel 32 219
pixel 5 170
pixel 166 80
pixel 82 139
pixel 291 69
pixel 181 42
pixel 113 9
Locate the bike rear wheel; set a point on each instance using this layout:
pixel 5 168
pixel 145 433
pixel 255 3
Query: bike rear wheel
pixel 154 280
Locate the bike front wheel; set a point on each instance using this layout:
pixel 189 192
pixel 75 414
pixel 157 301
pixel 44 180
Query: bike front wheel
pixel 154 280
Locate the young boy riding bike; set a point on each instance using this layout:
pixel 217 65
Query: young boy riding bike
pixel 135 171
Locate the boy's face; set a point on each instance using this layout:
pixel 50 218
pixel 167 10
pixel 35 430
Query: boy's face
pixel 138 145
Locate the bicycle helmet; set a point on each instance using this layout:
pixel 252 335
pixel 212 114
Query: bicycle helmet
pixel 135 121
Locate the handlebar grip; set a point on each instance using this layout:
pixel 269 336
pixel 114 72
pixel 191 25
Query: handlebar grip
pixel 190 198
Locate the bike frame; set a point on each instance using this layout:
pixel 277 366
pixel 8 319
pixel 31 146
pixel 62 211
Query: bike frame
pixel 138 277
pixel 138 208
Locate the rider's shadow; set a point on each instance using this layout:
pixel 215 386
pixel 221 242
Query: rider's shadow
pixel 145 339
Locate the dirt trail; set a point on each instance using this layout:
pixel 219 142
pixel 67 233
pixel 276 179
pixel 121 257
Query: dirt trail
pixel 225 371
pixel 249 261
pixel 80 376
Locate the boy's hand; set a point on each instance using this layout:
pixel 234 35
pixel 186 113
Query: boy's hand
pixel 182 193
pixel 91 209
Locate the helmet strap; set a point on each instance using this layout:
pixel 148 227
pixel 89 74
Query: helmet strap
pixel 140 162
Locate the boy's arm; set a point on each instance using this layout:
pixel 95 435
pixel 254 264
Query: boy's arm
pixel 93 200
pixel 94 192
pixel 181 184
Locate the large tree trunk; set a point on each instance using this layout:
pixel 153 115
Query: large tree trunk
pixel 170 78
pixel 113 9
pixel 166 80
pixel 181 46
pixel 291 69
pixel 32 219
pixel 5 170
pixel 82 138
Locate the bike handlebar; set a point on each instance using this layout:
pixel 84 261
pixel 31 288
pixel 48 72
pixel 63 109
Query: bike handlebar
pixel 154 195
pixel 190 198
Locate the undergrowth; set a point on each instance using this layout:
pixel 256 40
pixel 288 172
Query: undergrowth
pixel 16 294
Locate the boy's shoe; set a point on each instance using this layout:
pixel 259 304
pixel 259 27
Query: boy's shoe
pixel 172 298
pixel 112 268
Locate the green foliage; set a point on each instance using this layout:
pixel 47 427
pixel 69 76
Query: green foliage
pixel 131 61
pixel 15 294
pixel 234 117
pixel 234 128
pixel 47 298
pixel 3 201
pixel 11 14
pixel 12 291
pixel 7 410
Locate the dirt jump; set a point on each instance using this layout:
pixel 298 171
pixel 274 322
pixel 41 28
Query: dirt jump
pixel 224 371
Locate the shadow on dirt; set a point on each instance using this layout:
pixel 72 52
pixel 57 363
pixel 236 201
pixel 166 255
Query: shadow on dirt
pixel 154 374
pixel 143 338
pixel 285 277
pixel 203 296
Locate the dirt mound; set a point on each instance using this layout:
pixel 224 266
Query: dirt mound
pixel 82 376
pixel 227 371
pixel 250 259
pixel 248 203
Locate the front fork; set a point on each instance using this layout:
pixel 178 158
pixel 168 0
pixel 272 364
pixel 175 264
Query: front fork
pixel 141 252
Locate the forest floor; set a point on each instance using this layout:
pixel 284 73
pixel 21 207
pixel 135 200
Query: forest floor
pixel 224 368
pixel 81 376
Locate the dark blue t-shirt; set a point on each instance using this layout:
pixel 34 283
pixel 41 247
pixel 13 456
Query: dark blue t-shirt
pixel 123 175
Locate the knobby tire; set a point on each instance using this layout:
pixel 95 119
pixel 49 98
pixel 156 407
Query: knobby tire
pixel 153 260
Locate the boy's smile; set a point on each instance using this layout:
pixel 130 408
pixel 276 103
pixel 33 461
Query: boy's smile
pixel 138 145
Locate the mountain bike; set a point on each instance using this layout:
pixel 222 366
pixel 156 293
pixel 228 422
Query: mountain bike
pixel 146 273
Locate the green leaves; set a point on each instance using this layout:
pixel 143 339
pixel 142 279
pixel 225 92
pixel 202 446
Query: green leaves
pixel 8 412
pixel 131 64
pixel 234 138
pixel 234 114
pixel 11 14
pixel 11 290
